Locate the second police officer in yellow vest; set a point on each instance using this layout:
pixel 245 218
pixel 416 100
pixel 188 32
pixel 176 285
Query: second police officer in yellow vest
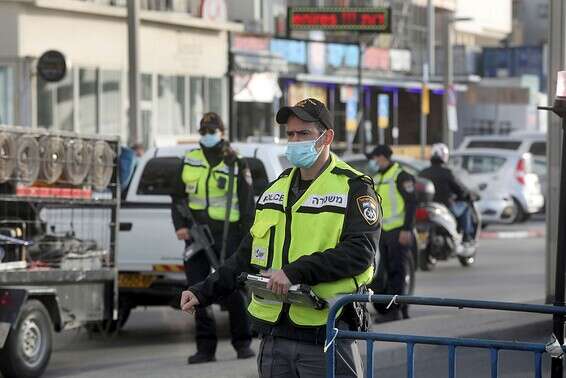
pixel 317 224
pixel 399 203
pixel 205 180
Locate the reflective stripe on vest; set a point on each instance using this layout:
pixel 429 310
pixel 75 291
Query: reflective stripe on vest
pixel 202 184
pixel 392 202
pixel 314 223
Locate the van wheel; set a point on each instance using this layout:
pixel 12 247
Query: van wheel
pixel 28 347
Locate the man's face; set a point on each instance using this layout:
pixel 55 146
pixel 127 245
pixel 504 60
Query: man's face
pixel 300 131
pixel 382 161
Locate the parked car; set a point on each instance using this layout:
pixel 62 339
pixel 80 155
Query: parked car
pixel 521 142
pixel 498 174
pixel 150 260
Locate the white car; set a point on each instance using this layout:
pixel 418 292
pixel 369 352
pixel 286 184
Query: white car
pixel 149 257
pixel 498 174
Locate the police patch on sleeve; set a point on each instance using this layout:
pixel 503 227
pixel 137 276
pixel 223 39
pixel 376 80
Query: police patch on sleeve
pixel 368 208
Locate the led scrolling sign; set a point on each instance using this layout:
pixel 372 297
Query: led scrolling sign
pixel 375 20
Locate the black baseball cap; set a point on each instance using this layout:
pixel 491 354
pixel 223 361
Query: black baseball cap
pixel 308 110
pixel 381 150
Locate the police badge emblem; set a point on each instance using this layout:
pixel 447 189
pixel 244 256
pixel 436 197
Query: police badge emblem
pixel 368 208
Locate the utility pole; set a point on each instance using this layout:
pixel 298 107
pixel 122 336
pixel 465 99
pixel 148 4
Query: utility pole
pixel 447 136
pixel 431 38
pixel 134 71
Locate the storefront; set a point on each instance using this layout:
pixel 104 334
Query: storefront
pixel 328 71
pixel 183 61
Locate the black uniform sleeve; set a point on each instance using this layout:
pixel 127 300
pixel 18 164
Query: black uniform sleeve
pixel 224 281
pixel 457 186
pixel 245 195
pixel 356 249
pixel 178 194
pixel 406 187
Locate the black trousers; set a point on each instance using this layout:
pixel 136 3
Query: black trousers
pixel 392 270
pixel 196 270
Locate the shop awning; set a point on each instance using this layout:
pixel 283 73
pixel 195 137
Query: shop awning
pixel 256 87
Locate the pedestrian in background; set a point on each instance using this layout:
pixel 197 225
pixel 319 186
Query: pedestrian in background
pixel 204 180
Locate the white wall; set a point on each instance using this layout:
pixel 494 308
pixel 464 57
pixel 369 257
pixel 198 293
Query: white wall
pixel 490 17
pixel 101 41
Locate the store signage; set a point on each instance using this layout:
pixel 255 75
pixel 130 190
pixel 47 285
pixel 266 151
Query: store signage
pixel 52 66
pixel 374 20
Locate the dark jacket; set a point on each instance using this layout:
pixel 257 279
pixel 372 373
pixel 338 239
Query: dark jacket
pixel 447 187
pixel 353 255
pixel 214 156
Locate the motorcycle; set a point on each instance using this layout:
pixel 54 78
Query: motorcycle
pixel 439 236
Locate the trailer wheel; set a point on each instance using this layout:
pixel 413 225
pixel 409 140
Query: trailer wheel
pixel 28 347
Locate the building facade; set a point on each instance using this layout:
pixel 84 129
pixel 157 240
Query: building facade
pixel 183 61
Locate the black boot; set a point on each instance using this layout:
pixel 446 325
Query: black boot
pixel 199 358
pixel 245 352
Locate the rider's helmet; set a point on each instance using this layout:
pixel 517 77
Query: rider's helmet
pixel 440 151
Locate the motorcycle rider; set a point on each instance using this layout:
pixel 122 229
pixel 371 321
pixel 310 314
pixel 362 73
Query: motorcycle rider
pixel 449 190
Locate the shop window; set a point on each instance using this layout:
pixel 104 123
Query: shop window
pixel 197 102
pixel 65 105
pixel 146 88
pixel 88 100
pixel 6 88
pixel 110 102
pixel 171 105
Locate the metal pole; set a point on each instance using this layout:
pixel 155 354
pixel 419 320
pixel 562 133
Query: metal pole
pixel 395 130
pixel 232 133
pixel 431 38
pixel 134 71
pixel 423 131
pixel 448 80
pixel 361 125
pixel 558 320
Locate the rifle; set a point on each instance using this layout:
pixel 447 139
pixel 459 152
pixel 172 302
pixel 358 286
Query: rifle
pixel 201 235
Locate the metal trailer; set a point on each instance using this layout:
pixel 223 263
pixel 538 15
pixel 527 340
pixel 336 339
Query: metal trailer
pixel 59 202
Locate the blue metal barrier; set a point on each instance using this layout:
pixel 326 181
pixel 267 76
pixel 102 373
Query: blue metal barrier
pixel 494 346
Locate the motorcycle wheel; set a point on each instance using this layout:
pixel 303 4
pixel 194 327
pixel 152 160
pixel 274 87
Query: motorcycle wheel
pixel 410 281
pixel 467 261
pixel 426 261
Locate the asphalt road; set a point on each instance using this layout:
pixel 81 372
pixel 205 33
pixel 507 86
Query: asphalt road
pixel 156 342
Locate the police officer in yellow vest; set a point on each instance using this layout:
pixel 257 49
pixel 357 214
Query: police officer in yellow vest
pixel 317 224
pixel 397 191
pixel 204 178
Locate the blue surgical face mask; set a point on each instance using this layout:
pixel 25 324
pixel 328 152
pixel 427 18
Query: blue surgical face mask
pixel 210 140
pixel 303 154
pixel 373 166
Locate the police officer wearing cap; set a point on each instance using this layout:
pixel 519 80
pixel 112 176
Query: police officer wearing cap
pixel 318 225
pixel 204 178
pixel 399 203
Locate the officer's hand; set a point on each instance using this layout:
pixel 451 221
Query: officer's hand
pixel 183 233
pixel 405 238
pixel 188 302
pixel 278 281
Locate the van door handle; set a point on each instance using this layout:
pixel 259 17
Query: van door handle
pixel 126 226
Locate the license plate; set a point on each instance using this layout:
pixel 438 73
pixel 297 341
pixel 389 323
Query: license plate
pixel 135 280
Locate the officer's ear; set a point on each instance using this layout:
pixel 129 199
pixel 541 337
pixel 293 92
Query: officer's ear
pixel 328 137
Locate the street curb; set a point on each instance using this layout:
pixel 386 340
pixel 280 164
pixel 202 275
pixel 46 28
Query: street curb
pixel 512 234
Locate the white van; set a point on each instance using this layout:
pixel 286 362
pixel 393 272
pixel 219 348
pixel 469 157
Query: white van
pixel 150 260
